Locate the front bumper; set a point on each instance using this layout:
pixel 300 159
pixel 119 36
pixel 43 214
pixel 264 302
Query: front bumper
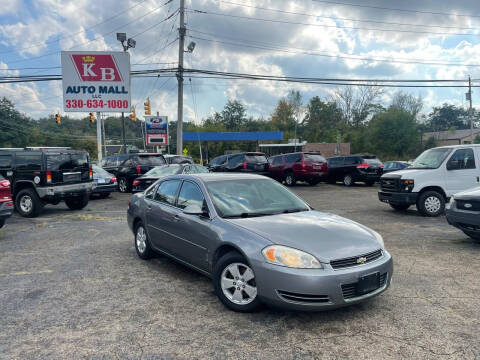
pixel 65 191
pixel 398 198
pixel 6 209
pixel 464 220
pixel 273 282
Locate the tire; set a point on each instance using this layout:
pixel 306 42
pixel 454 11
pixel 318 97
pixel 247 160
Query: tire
pixel 142 242
pixel 370 183
pixel 123 185
pixel 225 280
pixel 290 179
pixel 348 180
pixel 400 207
pixel 2 222
pixel 28 204
pixel 431 204
pixel 77 203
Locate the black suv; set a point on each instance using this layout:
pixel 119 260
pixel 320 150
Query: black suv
pixel 353 168
pixel 127 167
pixel 252 162
pixel 42 176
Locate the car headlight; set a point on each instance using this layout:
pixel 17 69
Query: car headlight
pixel 450 203
pixel 289 257
pixel 379 238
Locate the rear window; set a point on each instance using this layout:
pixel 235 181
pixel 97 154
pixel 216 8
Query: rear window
pixel 154 160
pixel 180 160
pixel 371 161
pixel 67 161
pixel 314 157
pixel 258 158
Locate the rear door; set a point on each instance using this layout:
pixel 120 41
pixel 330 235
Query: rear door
pixel 68 168
pixel 335 168
pixel 462 171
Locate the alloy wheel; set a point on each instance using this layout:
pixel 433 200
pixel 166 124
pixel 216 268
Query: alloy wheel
pixel 122 185
pixel 347 180
pixel 238 284
pixel 141 239
pixel 26 204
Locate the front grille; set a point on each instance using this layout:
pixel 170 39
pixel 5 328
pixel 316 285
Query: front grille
pixel 354 261
pixel 305 298
pixel 468 205
pixel 350 290
pixel 388 184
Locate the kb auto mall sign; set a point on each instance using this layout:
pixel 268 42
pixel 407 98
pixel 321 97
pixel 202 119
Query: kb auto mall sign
pixel 96 81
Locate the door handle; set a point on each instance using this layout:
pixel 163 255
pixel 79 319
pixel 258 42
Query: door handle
pixel 149 207
pixel 478 179
pixel 176 218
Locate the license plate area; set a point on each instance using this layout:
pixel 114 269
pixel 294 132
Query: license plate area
pixel 368 283
pixel 72 177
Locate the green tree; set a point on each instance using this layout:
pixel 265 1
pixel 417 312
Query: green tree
pixel 323 120
pixel 233 115
pixel 444 117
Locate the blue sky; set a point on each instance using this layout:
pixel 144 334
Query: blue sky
pixel 32 34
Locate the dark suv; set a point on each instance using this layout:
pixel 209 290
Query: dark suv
pixel 353 168
pixel 309 167
pixel 252 162
pixel 42 176
pixel 127 167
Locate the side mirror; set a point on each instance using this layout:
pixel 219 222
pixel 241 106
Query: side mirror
pixel 453 165
pixel 194 210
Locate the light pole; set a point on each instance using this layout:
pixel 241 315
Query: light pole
pixel 122 37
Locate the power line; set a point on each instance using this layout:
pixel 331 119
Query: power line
pixel 325 25
pixel 321 54
pixel 345 19
pixel 394 9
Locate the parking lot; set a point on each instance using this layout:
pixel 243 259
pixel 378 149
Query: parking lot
pixel 72 286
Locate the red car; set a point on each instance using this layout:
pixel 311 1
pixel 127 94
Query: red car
pixel 300 166
pixel 6 203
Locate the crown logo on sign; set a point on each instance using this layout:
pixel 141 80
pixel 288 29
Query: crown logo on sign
pixel 88 59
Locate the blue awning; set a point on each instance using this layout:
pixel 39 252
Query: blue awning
pixel 233 136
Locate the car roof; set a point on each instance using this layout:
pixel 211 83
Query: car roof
pixel 455 146
pixel 210 177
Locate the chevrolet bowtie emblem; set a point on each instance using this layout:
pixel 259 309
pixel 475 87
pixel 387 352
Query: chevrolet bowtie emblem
pixel 361 260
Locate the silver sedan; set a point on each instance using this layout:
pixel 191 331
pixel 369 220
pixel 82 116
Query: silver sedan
pixel 259 242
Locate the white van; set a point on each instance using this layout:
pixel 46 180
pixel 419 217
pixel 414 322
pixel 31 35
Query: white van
pixel 432 179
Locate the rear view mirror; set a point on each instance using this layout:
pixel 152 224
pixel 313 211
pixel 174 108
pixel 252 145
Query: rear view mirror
pixel 195 210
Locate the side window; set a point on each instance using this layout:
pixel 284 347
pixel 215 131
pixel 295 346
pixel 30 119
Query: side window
pixel 350 160
pixel 222 160
pixel 28 162
pixel 235 160
pixel 5 161
pixel 336 161
pixel 166 192
pixel 462 159
pixel 293 158
pixel 150 191
pixel 190 194
pixel 277 160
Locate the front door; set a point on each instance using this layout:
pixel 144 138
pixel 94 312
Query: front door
pixel 161 212
pixel 191 234
pixel 462 171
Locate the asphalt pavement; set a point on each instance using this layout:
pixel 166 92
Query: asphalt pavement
pixel 72 287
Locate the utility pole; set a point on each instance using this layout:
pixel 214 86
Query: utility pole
pixel 181 32
pixel 99 139
pixel 471 109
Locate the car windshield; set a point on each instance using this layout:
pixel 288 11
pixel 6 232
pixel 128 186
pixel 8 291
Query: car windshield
pixel 154 160
pixel 314 157
pixel 253 197
pixel 161 171
pixel 430 159
pixel 100 172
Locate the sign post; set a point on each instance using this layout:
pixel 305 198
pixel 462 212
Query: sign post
pixel 95 81
pixel 156 130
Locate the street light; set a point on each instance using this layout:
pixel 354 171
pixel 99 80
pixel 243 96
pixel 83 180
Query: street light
pixel 191 47
pixel 122 37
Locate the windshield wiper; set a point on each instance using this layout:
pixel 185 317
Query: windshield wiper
pixel 294 210
pixel 248 214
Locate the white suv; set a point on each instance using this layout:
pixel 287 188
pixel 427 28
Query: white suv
pixel 432 179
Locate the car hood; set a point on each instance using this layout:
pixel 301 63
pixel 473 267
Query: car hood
pixel 326 236
pixel 407 173
pixel 471 194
